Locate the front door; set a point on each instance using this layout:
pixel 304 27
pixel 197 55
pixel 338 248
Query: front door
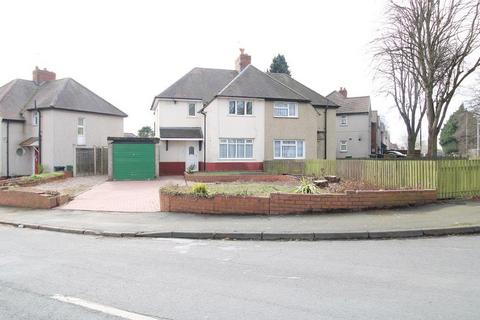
pixel 36 156
pixel 191 163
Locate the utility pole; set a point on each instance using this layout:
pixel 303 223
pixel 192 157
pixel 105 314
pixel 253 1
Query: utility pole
pixel 466 133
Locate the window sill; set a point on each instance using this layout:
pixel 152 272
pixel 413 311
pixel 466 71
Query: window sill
pixel 235 159
pixel 241 115
pixel 274 158
pixel 286 117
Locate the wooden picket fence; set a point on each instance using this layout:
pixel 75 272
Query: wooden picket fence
pixel 451 178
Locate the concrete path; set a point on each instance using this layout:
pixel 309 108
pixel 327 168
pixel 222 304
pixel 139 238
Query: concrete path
pixel 359 225
pixel 122 196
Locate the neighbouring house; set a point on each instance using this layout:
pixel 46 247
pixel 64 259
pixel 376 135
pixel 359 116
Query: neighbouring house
pixel 44 120
pixel 216 119
pixel 360 130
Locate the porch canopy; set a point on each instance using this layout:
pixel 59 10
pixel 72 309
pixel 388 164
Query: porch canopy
pixel 30 142
pixel 182 134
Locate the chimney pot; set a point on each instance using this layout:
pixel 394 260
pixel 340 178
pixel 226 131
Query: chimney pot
pixel 343 92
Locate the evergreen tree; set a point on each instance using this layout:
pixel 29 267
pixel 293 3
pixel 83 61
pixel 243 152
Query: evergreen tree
pixel 448 141
pixel 145 132
pixel 279 65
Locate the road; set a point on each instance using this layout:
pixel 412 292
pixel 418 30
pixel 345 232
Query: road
pixel 48 275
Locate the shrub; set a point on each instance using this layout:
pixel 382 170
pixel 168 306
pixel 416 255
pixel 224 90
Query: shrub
pixel 191 168
pixel 306 186
pixel 200 189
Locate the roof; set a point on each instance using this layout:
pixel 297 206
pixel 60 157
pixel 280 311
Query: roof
pixel 316 98
pixel 133 140
pixel 253 83
pixel 181 133
pixel 67 94
pixel 14 96
pixel 199 84
pixel 350 104
pixel 30 142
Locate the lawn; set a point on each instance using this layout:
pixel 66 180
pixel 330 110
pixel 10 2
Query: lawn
pixel 235 188
pixel 227 173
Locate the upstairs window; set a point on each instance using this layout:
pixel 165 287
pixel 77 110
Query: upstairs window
pixel 81 131
pixel 35 118
pixel 191 110
pixel 240 107
pixel 343 121
pixel 285 110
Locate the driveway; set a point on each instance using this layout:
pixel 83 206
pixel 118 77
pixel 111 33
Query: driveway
pixel 123 196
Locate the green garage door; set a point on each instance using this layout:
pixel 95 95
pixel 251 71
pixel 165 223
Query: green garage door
pixel 132 161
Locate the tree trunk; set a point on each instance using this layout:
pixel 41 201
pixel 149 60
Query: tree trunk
pixel 412 139
pixel 432 142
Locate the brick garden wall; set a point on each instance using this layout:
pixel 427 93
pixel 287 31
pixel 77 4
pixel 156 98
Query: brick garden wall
pixel 286 203
pixel 34 199
pixel 198 177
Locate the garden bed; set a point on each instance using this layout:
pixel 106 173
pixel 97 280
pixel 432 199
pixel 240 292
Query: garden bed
pixel 232 176
pixel 33 180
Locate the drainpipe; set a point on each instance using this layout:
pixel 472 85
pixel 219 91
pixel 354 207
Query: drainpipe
pixel 8 148
pixel 325 135
pixel 204 139
pixel 39 133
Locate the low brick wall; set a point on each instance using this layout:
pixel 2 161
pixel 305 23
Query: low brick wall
pixel 198 177
pixel 291 203
pixel 35 199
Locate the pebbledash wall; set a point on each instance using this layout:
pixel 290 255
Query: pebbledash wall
pixel 287 203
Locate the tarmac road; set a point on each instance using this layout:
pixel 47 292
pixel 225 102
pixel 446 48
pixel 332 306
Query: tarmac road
pixel 49 275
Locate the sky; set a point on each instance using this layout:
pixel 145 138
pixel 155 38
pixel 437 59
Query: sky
pixel 129 51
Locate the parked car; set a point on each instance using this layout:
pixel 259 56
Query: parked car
pixel 395 154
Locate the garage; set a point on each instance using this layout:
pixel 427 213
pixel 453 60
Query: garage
pixel 133 158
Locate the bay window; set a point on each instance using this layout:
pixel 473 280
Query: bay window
pixel 236 148
pixel 240 107
pixel 289 149
pixel 285 110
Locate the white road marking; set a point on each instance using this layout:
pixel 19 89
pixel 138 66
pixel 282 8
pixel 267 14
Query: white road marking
pixel 102 308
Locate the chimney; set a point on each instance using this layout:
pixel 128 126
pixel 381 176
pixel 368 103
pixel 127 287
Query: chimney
pixel 40 76
pixel 243 60
pixel 343 92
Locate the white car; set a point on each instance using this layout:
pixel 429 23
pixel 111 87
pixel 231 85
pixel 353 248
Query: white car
pixel 396 154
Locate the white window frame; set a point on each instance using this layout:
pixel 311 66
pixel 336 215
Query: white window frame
pixel 35 118
pixel 245 107
pixel 285 106
pixel 344 120
pixel 194 109
pixel 236 142
pixel 289 143
pixel 343 146
pixel 81 138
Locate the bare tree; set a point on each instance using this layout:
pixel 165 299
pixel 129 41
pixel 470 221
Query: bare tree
pixel 400 83
pixel 441 39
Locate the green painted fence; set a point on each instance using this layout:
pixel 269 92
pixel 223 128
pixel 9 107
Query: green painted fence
pixel 451 178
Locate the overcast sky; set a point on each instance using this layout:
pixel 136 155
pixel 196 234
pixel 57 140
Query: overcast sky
pixel 129 51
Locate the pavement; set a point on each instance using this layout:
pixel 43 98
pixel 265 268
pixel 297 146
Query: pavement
pixel 56 276
pixel 459 217
pixel 122 196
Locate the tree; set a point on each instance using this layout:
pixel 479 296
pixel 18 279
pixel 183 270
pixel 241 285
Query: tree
pixel 441 38
pixel 448 141
pixel 145 132
pixel 458 135
pixel 400 82
pixel 279 65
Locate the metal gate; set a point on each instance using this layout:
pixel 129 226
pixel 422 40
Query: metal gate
pixel 91 161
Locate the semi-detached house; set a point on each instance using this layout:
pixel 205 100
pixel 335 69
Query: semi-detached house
pixel 217 119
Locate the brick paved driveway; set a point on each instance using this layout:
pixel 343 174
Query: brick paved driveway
pixel 123 196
